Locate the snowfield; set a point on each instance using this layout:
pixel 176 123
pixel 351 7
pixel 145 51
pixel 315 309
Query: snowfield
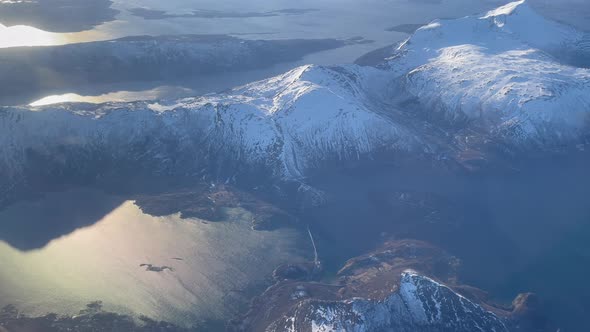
pixel 501 70
pixel 502 75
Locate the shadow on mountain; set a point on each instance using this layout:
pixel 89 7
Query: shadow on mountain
pixel 57 15
pixel 29 224
pixel 578 55
pixel 572 12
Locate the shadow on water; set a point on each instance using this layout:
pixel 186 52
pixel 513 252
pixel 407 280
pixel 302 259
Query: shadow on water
pixel 200 273
pixel 29 225
pixel 514 231
pixel 56 209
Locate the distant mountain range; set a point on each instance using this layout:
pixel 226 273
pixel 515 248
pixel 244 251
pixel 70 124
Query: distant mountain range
pixel 420 304
pixel 506 80
pixel 38 71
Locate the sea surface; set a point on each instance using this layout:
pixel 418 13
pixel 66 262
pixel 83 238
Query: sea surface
pixel 260 20
pixel 200 271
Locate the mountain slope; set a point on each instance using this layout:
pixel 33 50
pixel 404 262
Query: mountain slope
pixel 505 71
pixel 403 285
pixel 451 86
pixel 285 124
pixel 420 304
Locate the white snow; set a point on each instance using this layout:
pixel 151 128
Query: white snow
pixel 408 291
pixel 496 70
pixel 403 310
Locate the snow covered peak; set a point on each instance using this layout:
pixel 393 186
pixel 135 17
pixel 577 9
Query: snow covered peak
pixel 420 304
pixel 515 25
pixel 503 76
pixel 511 71
pixel 524 23
pixel 507 9
pixel 285 125
pixel 311 114
pixel 283 92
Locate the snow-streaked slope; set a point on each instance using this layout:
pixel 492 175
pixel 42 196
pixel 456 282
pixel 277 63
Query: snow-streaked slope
pixel 306 116
pixel 286 123
pixel 420 304
pixel 319 113
pixel 507 70
pixel 500 75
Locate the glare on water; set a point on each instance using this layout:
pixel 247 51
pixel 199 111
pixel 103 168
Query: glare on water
pixel 118 96
pixel 206 266
pixel 22 35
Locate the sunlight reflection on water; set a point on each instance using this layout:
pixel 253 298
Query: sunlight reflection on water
pixel 119 96
pixel 328 19
pixel 212 265
pixel 22 35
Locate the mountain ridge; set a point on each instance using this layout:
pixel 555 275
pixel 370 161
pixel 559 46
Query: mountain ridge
pixel 453 86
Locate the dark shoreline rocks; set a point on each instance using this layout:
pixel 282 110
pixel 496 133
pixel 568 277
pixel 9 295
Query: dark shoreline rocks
pixel 378 280
pixel 91 319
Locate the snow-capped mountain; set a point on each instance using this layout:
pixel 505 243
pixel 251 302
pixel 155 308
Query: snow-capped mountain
pixel 420 304
pixel 499 75
pixel 309 115
pixel 285 124
pixel 404 285
pixel 511 72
